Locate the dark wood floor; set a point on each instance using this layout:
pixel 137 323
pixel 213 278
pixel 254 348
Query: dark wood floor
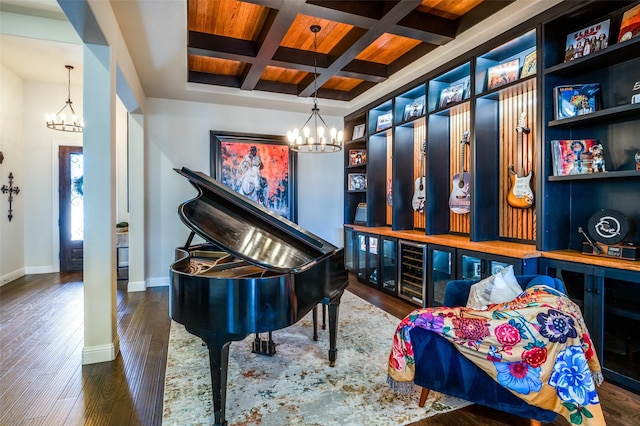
pixel 42 381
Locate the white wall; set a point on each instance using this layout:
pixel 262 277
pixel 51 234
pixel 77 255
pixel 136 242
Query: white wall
pixel 40 147
pixel 11 136
pixel 178 135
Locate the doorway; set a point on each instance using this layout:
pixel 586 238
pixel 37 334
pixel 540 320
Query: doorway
pixel 71 214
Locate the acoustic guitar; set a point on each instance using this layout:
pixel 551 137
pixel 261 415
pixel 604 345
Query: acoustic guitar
pixel 419 193
pixel 520 195
pixel 460 198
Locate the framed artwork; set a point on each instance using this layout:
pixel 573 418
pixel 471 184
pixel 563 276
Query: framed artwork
pixel 260 167
pixel 357 157
pixel 358 131
pixel 414 109
pixel 451 94
pixel 384 121
pixel 529 65
pixel 357 181
pixel 502 74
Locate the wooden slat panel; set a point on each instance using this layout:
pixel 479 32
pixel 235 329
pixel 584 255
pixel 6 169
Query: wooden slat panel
pixel 389 177
pixel 517 223
pixel 419 135
pixel 459 122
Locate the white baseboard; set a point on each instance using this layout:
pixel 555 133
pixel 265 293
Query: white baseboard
pixel 158 282
pixel 100 353
pixel 136 286
pixel 14 275
pixel 39 270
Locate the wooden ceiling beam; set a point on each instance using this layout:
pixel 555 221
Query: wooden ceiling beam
pixel 397 11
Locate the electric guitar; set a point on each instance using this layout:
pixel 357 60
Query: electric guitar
pixel 419 194
pixel 460 198
pixel 520 194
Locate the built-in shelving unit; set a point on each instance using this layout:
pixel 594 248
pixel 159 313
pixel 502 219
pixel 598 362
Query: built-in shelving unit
pixel 502 94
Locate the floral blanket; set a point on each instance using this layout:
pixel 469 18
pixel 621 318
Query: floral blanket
pixel 537 346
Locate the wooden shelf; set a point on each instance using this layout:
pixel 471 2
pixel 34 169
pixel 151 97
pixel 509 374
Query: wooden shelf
pixel 621 174
pixel 607 114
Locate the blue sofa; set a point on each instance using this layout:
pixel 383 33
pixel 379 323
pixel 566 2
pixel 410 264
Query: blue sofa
pixel 440 367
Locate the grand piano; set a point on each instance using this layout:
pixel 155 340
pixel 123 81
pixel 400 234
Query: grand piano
pixel 256 273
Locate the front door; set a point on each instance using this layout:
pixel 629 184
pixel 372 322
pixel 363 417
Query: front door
pixel 71 222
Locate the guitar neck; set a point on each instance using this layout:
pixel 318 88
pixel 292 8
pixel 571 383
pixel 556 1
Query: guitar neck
pixel 519 160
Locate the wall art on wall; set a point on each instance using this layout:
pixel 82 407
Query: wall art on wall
pixel 260 167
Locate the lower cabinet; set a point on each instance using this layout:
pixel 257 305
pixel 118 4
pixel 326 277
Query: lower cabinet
pixel 350 250
pixel 375 259
pixel 475 265
pixel 610 303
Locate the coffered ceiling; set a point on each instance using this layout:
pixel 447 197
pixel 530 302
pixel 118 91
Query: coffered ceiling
pixel 267 45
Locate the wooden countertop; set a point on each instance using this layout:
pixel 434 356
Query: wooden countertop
pixel 501 248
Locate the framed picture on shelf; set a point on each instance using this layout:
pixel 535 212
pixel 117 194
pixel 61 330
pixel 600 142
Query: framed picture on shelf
pixel 501 74
pixel 529 65
pixel 358 131
pixel 357 181
pixel 630 26
pixel 576 99
pixel 384 121
pixel 572 156
pixel 451 94
pixel 414 109
pixel 357 157
pixel 587 40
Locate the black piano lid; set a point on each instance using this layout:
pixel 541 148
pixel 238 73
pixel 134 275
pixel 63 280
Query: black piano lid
pixel 248 230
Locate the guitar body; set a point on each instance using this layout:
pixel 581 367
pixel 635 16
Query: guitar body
pixel 418 195
pixel 520 194
pixel 460 198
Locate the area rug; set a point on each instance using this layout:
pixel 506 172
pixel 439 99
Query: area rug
pixel 297 386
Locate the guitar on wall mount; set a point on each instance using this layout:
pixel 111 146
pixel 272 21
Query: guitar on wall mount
pixel 520 195
pixel 460 198
pixel 419 192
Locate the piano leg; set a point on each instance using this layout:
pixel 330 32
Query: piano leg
pixel 218 363
pixel 314 316
pixel 333 330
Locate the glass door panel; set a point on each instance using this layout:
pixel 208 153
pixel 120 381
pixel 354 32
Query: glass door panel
pixel 471 267
pixel 372 260
pixel 441 274
pixel 362 256
pixel 389 272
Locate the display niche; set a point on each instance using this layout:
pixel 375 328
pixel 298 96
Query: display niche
pixel 355 170
pixel 379 148
pixel 505 142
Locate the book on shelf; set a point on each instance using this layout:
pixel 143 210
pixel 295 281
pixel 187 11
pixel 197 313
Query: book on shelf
pixel 587 41
pixel 384 121
pixel 414 109
pixel 357 157
pixel 576 99
pixel 572 156
pixel 501 74
pixel 630 26
pixel 451 94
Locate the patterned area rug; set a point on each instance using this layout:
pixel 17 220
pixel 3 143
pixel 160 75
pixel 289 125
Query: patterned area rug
pixel 297 386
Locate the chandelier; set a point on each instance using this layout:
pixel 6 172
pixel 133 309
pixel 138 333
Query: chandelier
pixel 313 137
pixel 60 121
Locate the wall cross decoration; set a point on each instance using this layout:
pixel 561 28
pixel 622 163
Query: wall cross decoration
pixel 11 190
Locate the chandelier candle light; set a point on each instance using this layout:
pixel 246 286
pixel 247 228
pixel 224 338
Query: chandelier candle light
pixel 59 121
pixel 315 140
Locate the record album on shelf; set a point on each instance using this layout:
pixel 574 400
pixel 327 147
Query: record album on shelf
pixel 576 99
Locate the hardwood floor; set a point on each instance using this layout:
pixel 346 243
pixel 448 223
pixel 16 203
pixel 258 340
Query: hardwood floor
pixel 42 381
